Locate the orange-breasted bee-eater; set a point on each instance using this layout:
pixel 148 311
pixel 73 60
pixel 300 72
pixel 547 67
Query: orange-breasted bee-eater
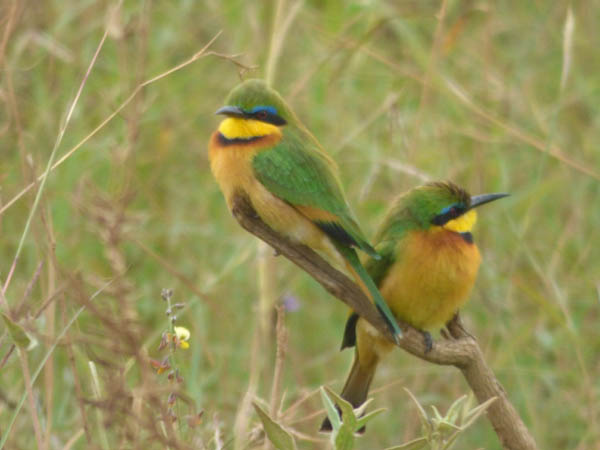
pixel 263 151
pixel 427 269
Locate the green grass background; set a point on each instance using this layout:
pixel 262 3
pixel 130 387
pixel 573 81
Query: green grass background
pixel 397 96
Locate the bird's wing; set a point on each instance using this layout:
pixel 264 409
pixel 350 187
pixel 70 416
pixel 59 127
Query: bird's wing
pixel 297 172
pixel 377 269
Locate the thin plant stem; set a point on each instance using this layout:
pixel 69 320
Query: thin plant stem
pixel 98 396
pixel 282 340
pixel 29 391
pixel 57 143
pixel 200 54
pixel 6 431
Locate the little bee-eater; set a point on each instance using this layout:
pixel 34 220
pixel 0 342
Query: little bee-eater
pixel 427 269
pixel 261 150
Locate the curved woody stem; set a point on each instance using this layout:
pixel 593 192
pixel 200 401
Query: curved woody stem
pixel 459 349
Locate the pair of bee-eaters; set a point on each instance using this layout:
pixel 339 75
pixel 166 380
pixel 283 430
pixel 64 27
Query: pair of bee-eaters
pixel 424 262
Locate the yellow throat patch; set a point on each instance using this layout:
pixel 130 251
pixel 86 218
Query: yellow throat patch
pixel 462 224
pixel 234 128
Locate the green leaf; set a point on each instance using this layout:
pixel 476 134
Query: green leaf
pixel 348 414
pixel 344 438
pixel 474 414
pixel 437 416
pixel 361 422
pixel 17 333
pixel 422 413
pixel 445 426
pixel 279 437
pixel 455 409
pixel 451 440
pixel 332 413
pixel 362 408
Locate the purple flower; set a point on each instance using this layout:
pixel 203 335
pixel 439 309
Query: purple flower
pixel 290 302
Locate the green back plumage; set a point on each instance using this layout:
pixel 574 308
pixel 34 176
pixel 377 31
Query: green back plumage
pixel 297 169
pixel 296 172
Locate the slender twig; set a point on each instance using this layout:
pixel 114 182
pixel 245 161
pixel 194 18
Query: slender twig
pixel 279 359
pixel 240 425
pixel 73 440
pixel 57 143
pixel 432 63
pixel 96 389
pixel 200 54
pixel 448 85
pixel 281 343
pixel 460 349
pixel 49 352
pixel 37 429
pixel 281 26
pixel 68 345
pixel 10 351
pixel 553 150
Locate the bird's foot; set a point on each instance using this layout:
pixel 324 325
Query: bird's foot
pixel 428 340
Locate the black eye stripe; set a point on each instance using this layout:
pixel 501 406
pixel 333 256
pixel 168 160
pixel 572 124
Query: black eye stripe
pixel 446 217
pixel 266 116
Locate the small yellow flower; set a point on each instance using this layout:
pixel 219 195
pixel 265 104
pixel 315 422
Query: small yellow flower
pixel 183 335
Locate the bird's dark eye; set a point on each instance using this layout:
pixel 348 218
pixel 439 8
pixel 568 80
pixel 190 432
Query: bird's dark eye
pixel 262 114
pixel 452 212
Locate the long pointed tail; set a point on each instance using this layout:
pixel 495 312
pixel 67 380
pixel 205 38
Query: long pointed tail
pixel 357 386
pixel 366 282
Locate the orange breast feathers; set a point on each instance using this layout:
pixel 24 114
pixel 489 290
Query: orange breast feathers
pixel 231 165
pixel 432 278
pixel 231 162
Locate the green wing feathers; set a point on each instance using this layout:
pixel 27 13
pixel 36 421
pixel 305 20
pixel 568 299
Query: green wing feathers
pixel 378 268
pixel 297 172
pixel 351 257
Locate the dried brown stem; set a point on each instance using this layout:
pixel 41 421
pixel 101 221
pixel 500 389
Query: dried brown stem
pixel 37 429
pixel 460 349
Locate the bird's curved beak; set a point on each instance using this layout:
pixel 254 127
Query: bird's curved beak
pixel 478 200
pixel 230 111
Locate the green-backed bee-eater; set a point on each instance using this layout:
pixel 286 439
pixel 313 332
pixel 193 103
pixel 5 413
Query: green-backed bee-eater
pixel 427 269
pixel 262 150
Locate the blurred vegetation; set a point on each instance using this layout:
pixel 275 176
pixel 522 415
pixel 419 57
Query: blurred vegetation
pixel 490 94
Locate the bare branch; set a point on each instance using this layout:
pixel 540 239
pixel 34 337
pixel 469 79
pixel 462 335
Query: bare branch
pixel 460 349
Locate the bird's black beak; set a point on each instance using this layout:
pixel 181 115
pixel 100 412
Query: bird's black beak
pixel 230 111
pixel 478 200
